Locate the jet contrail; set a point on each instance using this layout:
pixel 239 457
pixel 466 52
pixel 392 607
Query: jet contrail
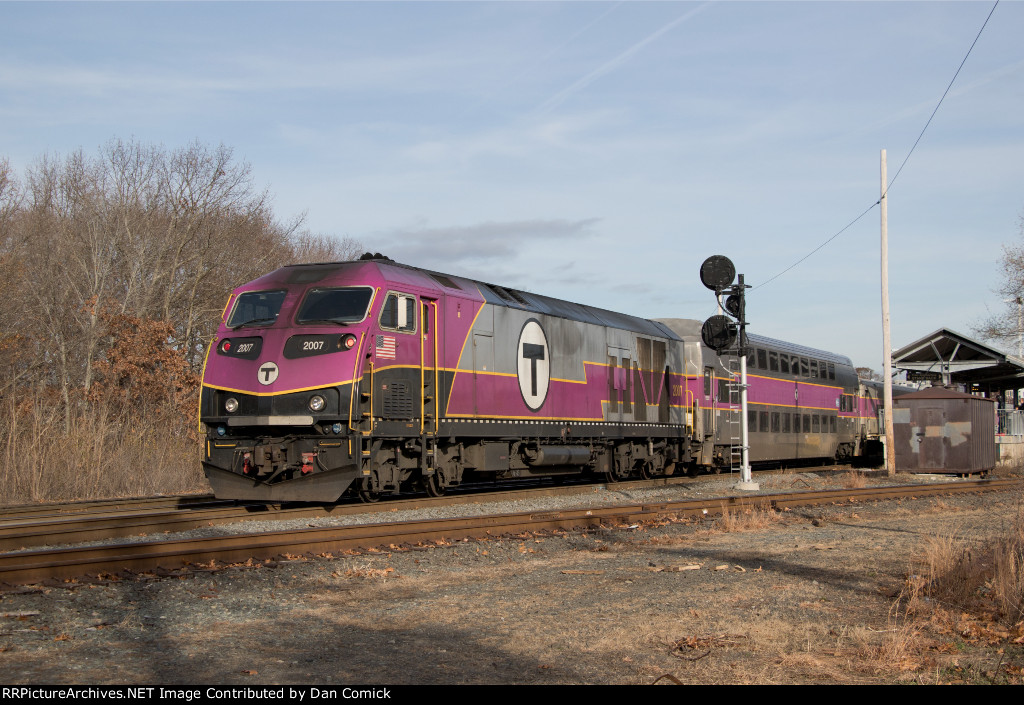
pixel 609 66
pixel 541 61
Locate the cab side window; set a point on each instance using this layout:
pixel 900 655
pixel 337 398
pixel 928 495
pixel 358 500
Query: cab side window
pixel 399 313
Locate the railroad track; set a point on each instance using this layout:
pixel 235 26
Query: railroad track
pixel 33 527
pixel 171 554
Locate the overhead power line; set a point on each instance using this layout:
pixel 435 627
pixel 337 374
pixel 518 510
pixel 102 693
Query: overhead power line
pixel 903 164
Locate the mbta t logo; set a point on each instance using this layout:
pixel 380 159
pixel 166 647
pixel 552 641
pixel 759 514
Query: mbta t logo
pixel 268 373
pixel 534 364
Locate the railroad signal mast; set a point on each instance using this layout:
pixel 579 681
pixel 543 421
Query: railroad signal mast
pixel 725 335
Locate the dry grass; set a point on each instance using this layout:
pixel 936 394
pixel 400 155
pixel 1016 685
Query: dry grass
pixel 963 575
pixel 1008 571
pixel 747 519
pixel 92 453
pixel 853 479
pixel 902 643
pixel 950 569
pixel 961 595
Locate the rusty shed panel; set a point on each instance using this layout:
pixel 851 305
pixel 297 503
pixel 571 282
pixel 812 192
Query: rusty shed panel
pixel 939 430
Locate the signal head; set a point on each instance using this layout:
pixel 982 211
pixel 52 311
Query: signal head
pixel 717 272
pixel 718 333
pixel 732 305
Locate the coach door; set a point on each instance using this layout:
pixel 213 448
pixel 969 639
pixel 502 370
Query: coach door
pixel 801 422
pixel 710 404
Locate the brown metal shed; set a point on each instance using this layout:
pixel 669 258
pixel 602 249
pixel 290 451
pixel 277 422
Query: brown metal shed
pixel 942 431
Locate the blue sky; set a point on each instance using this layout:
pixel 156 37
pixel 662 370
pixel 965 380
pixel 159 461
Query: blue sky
pixel 596 152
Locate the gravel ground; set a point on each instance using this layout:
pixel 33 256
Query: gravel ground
pixel 803 597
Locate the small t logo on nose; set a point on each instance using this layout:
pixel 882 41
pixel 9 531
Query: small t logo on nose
pixel 268 373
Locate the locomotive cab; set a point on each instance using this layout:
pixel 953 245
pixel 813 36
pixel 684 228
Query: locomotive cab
pixel 277 400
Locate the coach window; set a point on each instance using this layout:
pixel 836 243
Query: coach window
pixel 831 424
pixel 807 423
pixel 831 370
pixel 751 420
pixel 773 361
pixel 399 313
pixel 776 422
pixel 805 367
pixel 815 424
pixel 785 423
pixel 763 418
pixel 762 359
pixel 784 364
pixel 814 368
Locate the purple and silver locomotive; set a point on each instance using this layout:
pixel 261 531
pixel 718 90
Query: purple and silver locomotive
pixel 373 377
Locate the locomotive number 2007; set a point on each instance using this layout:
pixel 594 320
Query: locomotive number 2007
pixel 313 345
pixel 243 348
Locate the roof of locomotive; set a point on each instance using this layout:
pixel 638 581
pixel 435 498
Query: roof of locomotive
pixel 493 294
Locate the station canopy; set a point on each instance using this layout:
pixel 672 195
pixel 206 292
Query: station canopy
pixel 947 357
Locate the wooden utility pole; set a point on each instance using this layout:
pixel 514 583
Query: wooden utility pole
pixel 890 455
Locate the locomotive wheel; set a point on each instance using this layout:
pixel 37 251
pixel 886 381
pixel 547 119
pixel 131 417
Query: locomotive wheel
pixel 646 471
pixel 432 486
pixel 368 495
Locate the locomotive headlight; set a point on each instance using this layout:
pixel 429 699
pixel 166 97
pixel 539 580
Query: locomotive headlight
pixel 225 345
pixel 348 341
pixel 231 405
pixel 317 403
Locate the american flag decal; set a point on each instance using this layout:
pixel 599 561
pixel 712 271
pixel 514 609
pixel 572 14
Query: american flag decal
pixel 385 347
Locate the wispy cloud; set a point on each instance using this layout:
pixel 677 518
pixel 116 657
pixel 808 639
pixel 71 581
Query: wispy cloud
pixel 470 247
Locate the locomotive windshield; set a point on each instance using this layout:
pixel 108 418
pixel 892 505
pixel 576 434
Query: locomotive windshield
pixel 344 305
pixel 256 308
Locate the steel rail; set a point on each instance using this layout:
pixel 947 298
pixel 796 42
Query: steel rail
pixel 13 515
pixel 23 512
pixel 33 566
pixel 82 526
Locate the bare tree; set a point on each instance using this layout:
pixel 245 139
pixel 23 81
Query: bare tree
pixel 1005 326
pixel 141 231
pixel 114 270
pixel 866 373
